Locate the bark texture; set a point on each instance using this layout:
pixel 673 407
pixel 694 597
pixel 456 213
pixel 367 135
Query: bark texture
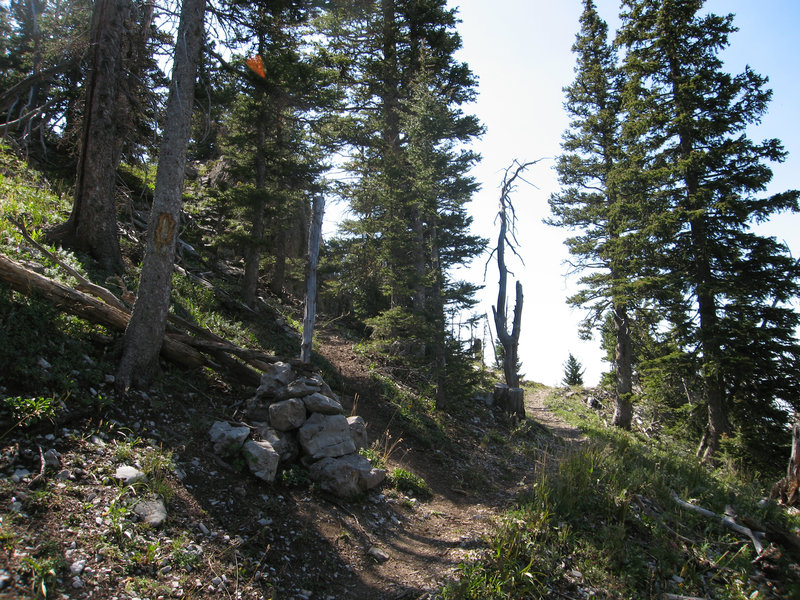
pixel 92 225
pixel 145 332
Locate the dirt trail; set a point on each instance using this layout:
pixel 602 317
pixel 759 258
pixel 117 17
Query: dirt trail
pixel 426 541
pixel 536 410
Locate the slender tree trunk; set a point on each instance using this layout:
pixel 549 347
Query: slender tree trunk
pixel 252 257
pixel 145 332
pixel 623 409
pixel 92 225
pixel 314 240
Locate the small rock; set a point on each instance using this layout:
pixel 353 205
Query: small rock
pixel 378 554
pixel 302 387
pixel 226 438
pixel 288 414
pixel 152 512
pixel 44 364
pixel 262 459
pixel 320 403
pixel 19 475
pixel 51 459
pixel 129 474
pixel 358 431
pixel 326 436
pixel 77 567
pixel 77 583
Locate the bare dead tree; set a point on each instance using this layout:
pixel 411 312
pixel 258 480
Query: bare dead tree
pixel 507 238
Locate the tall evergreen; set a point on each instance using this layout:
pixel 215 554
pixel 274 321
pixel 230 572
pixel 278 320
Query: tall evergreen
pixel 270 142
pixel 725 287
pixel 407 137
pixel 597 199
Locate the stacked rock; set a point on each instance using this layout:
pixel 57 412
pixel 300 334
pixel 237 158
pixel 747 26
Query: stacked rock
pixel 299 418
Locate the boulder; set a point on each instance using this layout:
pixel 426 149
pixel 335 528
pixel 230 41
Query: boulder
pixel 226 438
pixel 262 459
pixel 274 379
pixel 287 414
pixel 326 436
pixel 358 431
pixel 301 387
pixel 320 403
pixel 346 476
pixel 283 442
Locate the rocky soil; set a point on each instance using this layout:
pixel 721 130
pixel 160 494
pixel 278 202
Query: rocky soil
pixel 72 525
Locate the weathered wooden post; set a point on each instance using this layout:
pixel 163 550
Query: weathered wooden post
pixel 314 240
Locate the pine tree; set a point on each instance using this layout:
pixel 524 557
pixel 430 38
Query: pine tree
pixel 725 287
pixel 407 133
pixel 573 371
pixel 595 199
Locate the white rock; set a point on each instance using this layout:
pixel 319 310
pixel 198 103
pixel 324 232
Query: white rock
pixel 320 403
pixel 378 554
pixel 152 512
pixel 346 476
pixel 262 459
pixel 274 379
pixel 288 414
pixel 129 474
pixel 283 442
pixel 77 567
pixel 326 436
pixel 358 431
pixel 226 438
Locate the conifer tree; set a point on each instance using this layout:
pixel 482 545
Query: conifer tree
pixel 725 288
pixel 410 184
pixel 597 199
pixel 573 371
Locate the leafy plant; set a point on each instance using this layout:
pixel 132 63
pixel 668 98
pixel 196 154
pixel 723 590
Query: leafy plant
pixel 27 411
pixel 43 573
pixel 410 483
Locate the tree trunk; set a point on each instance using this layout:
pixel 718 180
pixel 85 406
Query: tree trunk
pixel 623 409
pixel 252 257
pixel 787 490
pixel 145 332
pixel 92 225
pixel 314 239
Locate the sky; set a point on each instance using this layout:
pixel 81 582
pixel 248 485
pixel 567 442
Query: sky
pixel 521 52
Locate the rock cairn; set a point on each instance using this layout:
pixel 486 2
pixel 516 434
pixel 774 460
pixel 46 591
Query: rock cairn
pixel 295 418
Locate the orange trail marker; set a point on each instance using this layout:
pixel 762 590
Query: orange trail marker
pixel 257 65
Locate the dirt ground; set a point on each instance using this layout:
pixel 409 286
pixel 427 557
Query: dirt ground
pixel 229 535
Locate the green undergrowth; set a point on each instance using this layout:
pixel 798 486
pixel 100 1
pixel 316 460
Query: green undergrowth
pixel 414 413
pixel 601 521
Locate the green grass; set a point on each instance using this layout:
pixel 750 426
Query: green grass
pixel 602 517
pixel 410 483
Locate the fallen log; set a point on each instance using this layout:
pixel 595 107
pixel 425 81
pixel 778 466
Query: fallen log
pixel 727 522
pixel 84 285
pixel 87 307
